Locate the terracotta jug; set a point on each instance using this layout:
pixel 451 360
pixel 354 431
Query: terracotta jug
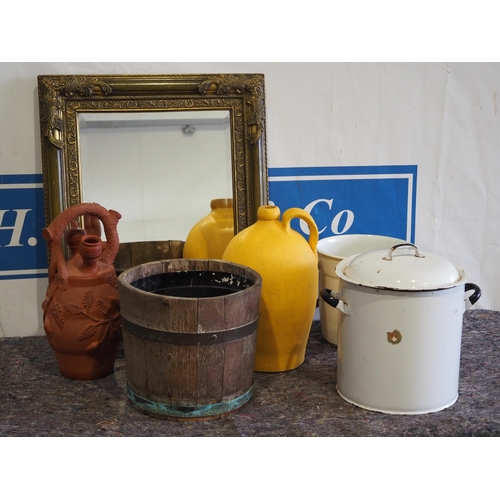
pixel 209 237
pixel 288 264
pixel 81 312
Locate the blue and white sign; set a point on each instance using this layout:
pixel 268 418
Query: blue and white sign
pixel 23 251
pixel 349 200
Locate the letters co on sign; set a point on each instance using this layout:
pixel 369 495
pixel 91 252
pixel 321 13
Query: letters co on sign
pixel 23 252
pixel 349 200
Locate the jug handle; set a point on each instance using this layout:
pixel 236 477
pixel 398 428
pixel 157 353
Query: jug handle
pixel 55 230
pixel 293 213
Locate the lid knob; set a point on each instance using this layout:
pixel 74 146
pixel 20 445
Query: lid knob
pixel 417 253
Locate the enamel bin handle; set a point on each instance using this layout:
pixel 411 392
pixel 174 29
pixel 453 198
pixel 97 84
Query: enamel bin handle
pixel 334 301
pixel 389 254
pixel 475 296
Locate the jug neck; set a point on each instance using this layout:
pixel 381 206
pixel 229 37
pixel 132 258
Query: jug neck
pixel 73 237
pixel 221 203
pixel 268 212
pixel 90 250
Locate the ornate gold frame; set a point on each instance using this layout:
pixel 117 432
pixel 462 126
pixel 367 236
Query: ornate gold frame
pixel 62 97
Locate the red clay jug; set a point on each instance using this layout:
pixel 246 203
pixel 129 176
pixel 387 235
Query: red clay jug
pixel 81 311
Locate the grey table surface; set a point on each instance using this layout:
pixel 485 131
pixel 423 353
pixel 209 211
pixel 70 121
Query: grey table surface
pixel 35 400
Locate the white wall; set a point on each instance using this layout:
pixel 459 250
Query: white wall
pixel 441 117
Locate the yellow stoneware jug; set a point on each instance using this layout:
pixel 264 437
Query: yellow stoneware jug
pixel 209 237
pixel 288 264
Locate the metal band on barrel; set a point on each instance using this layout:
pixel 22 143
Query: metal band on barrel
pixel 206 338
pixel 187 410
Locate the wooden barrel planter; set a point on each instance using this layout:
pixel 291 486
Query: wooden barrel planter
pixel 189 332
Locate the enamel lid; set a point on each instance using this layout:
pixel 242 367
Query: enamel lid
pixel 401 267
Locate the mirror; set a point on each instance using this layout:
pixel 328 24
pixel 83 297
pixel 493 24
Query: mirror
pixel 155 148
pixel 163 186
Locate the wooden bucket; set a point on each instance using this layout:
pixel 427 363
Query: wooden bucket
pixel 140 252
pixel 189 332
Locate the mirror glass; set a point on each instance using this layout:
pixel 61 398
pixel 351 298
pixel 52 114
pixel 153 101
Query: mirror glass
pixel 159 170
pixel 156 148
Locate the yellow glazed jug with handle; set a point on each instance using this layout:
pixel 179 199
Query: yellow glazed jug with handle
pixel 288 264
pixel 209 237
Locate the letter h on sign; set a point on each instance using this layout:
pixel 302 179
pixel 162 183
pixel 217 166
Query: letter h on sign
pixel 23 253
pixel 17 228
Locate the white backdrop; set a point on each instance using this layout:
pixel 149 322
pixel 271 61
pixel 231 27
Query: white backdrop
pixel 441 117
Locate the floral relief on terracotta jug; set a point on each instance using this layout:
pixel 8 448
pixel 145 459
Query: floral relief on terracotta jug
pixel 81 311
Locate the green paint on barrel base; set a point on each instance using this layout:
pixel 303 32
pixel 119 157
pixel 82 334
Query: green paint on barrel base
pixel 188 411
